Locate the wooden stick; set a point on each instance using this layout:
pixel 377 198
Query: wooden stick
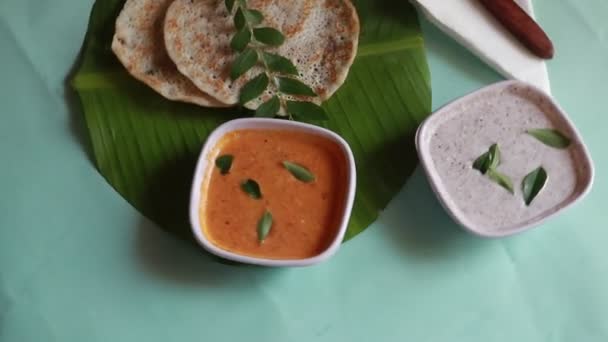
pixel 521 25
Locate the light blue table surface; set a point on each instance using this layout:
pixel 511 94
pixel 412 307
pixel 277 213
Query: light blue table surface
pixel 77 263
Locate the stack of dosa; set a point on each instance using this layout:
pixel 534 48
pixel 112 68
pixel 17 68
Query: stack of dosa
pixel 181 48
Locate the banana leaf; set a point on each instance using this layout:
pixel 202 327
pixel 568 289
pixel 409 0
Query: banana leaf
pixel 146 146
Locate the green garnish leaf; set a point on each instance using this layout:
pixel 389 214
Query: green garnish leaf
pixel 254 17
pixel 243 63
pixel 280 64
pixel 489 160
pixel 482 163
pixel 239 19
pixel 300 172
pixel 269 108
pixel 494 156
pixel 224 163
pixel 533 183
pixel 254 88
pixel 264 225
pixel 229 4
pixel 292 86
pixel 241 39
pixel 501 180
pixel 268 36
pixel 550 137
pixel 251 188
pixel 306 111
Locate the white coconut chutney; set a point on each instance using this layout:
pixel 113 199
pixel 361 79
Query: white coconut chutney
pixel 451 140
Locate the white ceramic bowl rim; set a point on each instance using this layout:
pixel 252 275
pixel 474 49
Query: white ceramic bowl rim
pixel 442 194
pixel 203 165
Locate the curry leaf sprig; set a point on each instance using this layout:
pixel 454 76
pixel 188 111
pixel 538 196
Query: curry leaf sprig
pixel 251 42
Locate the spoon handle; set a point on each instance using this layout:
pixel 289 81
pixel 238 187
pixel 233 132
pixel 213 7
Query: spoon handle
pixel 521 25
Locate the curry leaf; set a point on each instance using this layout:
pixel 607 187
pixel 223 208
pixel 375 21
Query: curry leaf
pixel 292 86
pixel 239 19
pixel 254 17
pixel 268 36
pixel 243 63
pixel 229 4
pixel 254 88
pixel 550 137
pixel 251 188
pixel 241 39
pixel 264 225
pixel 501 180
pixel 488 160
pixel 269 108
pixel 533 183
pixel 280 64
pixel 306 111
pixel 224 163
pixel 300 172
pixel 482 163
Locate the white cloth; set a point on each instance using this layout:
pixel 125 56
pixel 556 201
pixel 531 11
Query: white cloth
pixel 474 27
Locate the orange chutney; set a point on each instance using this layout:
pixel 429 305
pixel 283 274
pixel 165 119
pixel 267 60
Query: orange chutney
pixel 306 216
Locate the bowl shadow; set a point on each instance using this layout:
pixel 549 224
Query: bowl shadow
pixel 416 223
pixel 176 261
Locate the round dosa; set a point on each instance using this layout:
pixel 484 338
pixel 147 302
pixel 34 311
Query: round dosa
pixel 321 40
pixel 138 43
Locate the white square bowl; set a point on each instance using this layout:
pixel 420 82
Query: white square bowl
pixel 504 96
pixel 206 163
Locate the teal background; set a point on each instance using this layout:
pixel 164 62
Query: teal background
pixel 77 263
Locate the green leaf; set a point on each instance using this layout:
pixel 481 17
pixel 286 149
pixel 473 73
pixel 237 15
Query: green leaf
pixel 243 62
pixel 264 226
pixel 268 36
pixel 300 172
pixel 269 108
pixel 280 64
pixel 254 88
pixel 293 86
pixel 489 160
pixel 251 188
pixel 377 111
pixel 533 184
pixel 229 5
pixel 482 163
pixel 224 163
pixel 240 40
pixel 501 179
pixel 306 111
pixel 550 137
pixel 254 17
pixel 494 156
pixel 239 19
